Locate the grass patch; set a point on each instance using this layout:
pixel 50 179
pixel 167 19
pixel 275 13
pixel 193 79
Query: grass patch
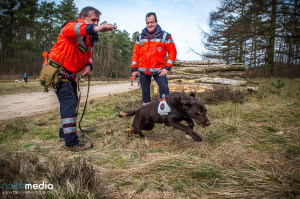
pixel 221 94
pixel 9 87
pixel 292 150
pixel 73 178
pixel 142 187
pixel 14 129
pixel 220 133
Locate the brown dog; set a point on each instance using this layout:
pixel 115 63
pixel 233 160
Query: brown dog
pixel 171 110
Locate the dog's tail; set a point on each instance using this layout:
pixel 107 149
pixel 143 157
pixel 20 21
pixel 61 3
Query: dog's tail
pixel 128 113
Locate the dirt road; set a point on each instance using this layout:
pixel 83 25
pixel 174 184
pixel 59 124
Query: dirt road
pixel 27 104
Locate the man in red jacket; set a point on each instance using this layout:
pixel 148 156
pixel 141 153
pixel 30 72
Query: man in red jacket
pixel 149 54
pixel 73 51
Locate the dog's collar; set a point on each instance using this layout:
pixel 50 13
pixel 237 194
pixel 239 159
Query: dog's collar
pixel 164 109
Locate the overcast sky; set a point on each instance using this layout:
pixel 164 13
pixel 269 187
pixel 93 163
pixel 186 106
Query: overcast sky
pixel 181 18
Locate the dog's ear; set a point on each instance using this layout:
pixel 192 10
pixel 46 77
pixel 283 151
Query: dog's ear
pixel 186 103
pixel 193 95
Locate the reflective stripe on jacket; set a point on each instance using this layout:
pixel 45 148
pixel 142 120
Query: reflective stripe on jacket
pixel 73 49
pixel 150 51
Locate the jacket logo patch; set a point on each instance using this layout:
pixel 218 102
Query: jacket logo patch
pixel 159 49
pixel 141 44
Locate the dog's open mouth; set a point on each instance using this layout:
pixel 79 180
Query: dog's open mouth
pixel 200 124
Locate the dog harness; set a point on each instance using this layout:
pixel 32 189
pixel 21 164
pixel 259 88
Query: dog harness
pixel 164 109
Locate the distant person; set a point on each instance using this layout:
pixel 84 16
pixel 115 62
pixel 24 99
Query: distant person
pixel 73 52
pixel 149 54
pixel 25 77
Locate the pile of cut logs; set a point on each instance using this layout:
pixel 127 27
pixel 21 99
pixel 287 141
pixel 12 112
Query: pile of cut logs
pixel 199 76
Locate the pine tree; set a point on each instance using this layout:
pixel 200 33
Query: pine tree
pixel 67 11
pixel 260 34
pixel 48 22
pixel 29 28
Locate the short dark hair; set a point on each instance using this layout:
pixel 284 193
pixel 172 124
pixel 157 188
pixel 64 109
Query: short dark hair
pixel 151 13
pixel 86 11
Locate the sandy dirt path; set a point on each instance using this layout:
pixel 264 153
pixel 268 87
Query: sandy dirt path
pixel 27 104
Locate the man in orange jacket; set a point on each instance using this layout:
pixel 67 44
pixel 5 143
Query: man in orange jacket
pixel 149 54
pixel 73 51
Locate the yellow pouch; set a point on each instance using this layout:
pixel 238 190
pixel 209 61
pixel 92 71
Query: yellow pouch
pixel 49 76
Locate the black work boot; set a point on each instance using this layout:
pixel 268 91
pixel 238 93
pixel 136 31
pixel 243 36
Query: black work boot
pixel 81 146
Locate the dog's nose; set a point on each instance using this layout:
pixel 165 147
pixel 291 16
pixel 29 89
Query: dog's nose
pixel 207 123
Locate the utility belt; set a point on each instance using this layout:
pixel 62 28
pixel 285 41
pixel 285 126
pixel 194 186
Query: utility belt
pixel 51 75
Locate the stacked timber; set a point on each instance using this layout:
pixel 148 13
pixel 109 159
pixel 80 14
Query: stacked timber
pixel 199 76
pixel 209 68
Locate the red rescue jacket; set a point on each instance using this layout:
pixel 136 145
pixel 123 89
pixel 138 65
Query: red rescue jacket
pixel 74 46
pixel 150 52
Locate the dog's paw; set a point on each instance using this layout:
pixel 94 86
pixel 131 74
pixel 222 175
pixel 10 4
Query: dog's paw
pixel 129 130
pixel 198 139
pixel 188 136
pixel 142 135
pixel 122 114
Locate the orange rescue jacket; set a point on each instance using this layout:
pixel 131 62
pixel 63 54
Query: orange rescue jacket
pixel 150 52
pixel 74 46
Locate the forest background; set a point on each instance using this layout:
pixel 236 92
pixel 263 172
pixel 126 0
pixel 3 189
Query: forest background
pixel 262 35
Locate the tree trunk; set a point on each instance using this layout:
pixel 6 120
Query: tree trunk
pixel 270 50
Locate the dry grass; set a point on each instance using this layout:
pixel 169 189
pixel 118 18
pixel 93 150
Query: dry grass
pixel 9 87
pixel 221 94
pixel 70 178
pixel 251 150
